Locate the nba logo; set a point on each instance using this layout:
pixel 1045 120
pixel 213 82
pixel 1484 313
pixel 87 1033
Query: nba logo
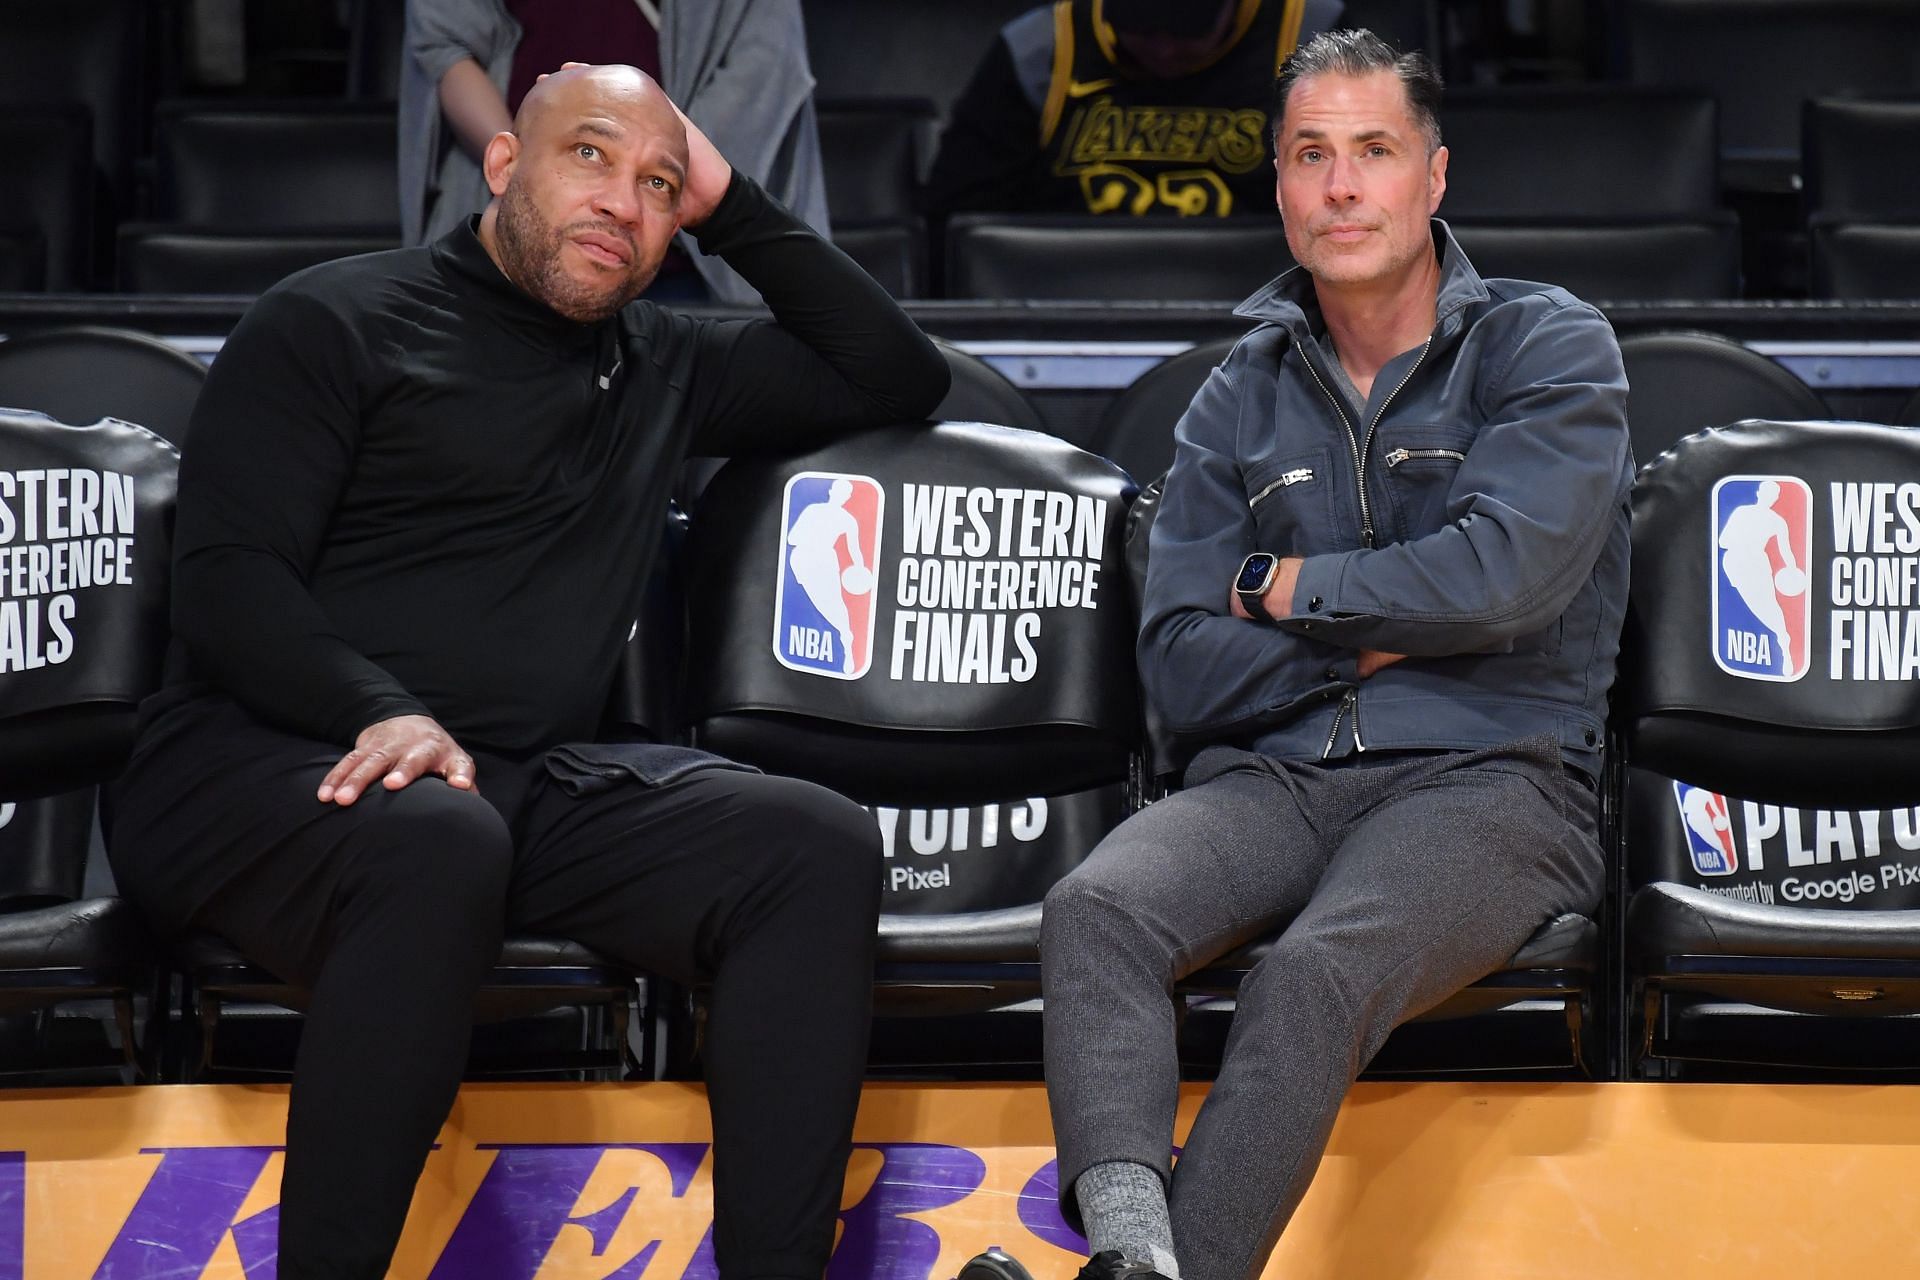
pixel 824 605
pixel 1703 816
pixel 1762 609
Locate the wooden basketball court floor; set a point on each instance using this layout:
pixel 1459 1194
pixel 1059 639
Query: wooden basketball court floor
pixel 611 1182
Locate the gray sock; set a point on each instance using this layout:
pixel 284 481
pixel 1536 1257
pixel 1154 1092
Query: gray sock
pixel 1124 1204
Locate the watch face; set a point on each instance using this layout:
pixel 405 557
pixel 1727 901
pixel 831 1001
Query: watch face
pixel 1255 572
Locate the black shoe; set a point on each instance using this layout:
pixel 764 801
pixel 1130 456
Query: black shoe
pixel 1111 1264
pixel 995 1264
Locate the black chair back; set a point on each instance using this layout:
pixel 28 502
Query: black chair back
pixel 1633 259
pixel 277 167
pixel 1137 429
pixel 1066 258
pixel 981 393
pixel 84 374
pixel 45 171
pixel 1679 383
pixel 85 532
pixel 1532 153
pixel 934 621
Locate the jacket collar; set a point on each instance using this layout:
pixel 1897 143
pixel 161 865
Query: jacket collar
pixel 1289 299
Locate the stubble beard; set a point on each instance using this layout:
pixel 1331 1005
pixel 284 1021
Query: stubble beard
pixel 530 250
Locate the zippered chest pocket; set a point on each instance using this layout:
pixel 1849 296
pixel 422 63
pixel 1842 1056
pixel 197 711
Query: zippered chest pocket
pixel 1291 498
pixel 1418 465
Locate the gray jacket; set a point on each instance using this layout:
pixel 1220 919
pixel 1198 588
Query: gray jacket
pixel 738 68
pixel 1488 538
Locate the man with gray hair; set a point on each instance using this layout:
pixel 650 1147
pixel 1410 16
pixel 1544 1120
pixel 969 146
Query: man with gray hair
pixel 1383 605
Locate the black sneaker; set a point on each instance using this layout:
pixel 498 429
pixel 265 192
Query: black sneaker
pixel 1111 1264
pixel 995 1264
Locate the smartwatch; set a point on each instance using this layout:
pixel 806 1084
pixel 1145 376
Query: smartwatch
pixel 1251 583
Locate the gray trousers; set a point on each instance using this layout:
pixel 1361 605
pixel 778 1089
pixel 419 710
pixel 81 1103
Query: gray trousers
pixel 1412 876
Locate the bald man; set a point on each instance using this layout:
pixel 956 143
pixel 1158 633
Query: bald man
pixel 421 498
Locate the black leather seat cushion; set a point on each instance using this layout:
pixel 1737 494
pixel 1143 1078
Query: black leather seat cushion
pixel 96 942
pixel 215 959
pixel 870 149
pixel 1667 919
pixel 1010 935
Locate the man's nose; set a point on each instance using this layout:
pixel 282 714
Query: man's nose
pixel 617 201
pixel 1343 181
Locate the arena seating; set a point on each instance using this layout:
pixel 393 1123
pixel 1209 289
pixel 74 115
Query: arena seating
pixel 247 192
pixel 1599 212
pixel 49 220
pixel 1679 383
pixel 84 374
pixel 994 756
pixel 90 53
pixel 1066 257
pixel 1863 216
pixel 68 691
pixel 1137 429
pixel 981 393
pixel 1770 778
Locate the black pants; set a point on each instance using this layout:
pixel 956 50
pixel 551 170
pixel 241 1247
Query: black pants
pixel 393 910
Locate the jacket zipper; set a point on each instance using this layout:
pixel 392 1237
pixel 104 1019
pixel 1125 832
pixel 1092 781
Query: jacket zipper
pixel 1339 714
pixel 1358 449
pixel 1394 457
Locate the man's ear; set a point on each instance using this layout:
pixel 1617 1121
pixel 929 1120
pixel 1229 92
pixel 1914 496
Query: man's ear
pixel 502 153
pixel 1436 179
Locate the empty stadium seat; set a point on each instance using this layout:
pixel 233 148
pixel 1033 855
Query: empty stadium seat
pixel 1137 429
pixel 1775 917
pixel 278 166
pixel 1910 412
pixel 885 49
pixel 89 52
pixel 84 374
pixel 981 393
pixel 872 150
pixel 1559 185
pixel 1863 214
pixel 247 193
pixel 169 258
pixel 892 250
pixel 23 261
pixel 993 735
pixel 1761 58
pixel 49 215
pixel 1865 260
pixel 1643 261
pixel 1679 383
pixel 1585 152
pixel 1070 258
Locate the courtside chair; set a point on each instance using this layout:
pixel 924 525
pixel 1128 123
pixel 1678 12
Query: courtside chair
pixel 87 373
pixel 1770 710
pixel 1136 431
pixel 87 653
pixel 966 673
pixel 1682 382
pixel 1544 1013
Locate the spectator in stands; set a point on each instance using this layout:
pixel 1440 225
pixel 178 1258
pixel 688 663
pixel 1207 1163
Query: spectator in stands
pixel 1140 108
pixel 739 67
pixel 1383 602
pixel 424 490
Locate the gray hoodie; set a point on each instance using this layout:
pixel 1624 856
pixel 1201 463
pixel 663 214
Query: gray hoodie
pixel 1488 539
